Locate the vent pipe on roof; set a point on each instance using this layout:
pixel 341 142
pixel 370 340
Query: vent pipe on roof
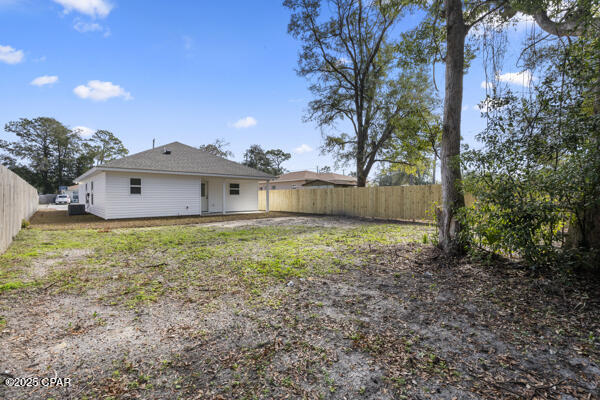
pixel 166 151
pixel 153 142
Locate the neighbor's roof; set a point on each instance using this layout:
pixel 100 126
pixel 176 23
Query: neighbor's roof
pixel 329 182
pixel 182 159
pixel 313 176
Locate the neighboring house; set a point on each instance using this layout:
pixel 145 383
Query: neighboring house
pixel 174 179
pixel 309 179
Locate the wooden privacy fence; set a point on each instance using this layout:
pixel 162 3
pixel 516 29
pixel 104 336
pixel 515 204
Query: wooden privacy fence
pixel 19 200
pixel 386 202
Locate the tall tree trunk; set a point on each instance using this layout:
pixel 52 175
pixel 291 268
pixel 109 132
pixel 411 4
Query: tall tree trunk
pixel 361 175
pixel 452 195
pixel 434 169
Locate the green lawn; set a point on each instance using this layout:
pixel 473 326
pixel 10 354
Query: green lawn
pixel 134 266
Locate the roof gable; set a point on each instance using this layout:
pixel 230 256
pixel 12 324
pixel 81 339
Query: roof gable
pixel 183 158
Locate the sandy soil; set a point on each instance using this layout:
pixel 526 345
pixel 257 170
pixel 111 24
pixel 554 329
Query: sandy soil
pixel 408 324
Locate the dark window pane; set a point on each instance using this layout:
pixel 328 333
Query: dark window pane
pixel 135 190
pixel 203 189
pixel 135 181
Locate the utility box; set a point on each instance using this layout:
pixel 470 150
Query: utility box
pixel 76 209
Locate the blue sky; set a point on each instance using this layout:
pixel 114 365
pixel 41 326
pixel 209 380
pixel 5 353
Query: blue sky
pixel 192 72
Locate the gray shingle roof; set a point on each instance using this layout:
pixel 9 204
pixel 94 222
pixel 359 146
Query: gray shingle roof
pixel 184 158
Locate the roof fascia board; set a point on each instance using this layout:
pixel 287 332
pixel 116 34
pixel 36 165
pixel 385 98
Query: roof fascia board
pixel 153 171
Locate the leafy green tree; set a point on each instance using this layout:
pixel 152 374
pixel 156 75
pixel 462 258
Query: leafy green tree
pixel 399 178
pixel 267 161
pixel 539 172
pixel 218 148
pixel 48 155
pixel 46 146
pixel 277 157
pixel 441 38
pixel 363 94
pixel 106 147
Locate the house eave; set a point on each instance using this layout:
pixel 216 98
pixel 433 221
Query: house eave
pixel 95 170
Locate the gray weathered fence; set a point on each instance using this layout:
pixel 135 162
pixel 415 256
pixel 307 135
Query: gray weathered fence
pixel 19 200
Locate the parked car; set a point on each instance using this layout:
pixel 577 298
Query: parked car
pixel 62 199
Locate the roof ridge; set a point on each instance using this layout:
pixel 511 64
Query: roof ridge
pixel 184 157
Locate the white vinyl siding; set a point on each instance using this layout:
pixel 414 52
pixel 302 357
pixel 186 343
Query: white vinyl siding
pixel 165 195
pixel 247 200
pixel 99 191
pixel 161 195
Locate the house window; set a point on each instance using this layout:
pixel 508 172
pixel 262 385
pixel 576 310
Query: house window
pixel 294 187
pixel 234 189
pixel 92 198
pixel 135 186
pixel 273 187
pixel 203 189
pixel 92 185
pixel 86 186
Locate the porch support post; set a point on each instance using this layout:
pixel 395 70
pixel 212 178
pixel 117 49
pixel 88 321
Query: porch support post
pixel 267 197
pixel 200 197
pixel 224 196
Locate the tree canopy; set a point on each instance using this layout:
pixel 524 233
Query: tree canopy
pixel 269 161
pixel 47 154
pixel 218 148
pixel 366 100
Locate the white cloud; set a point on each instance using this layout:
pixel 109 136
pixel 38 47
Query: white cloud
pixel 101 91
pixel 93 8
pixel 10 55
pixel 517 78
pixel 523 78
pixel 83 131
pixel 246 122
pixel 303 148
pixel 84 27
pixel 44 80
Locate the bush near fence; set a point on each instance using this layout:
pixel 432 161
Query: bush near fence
pixel 19 200
pixel 415 203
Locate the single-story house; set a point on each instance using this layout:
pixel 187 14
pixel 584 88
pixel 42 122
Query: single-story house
pixel 308 179
pixel 170 180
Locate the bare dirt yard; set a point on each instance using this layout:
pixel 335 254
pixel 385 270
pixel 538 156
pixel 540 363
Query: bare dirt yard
pixel 289 307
